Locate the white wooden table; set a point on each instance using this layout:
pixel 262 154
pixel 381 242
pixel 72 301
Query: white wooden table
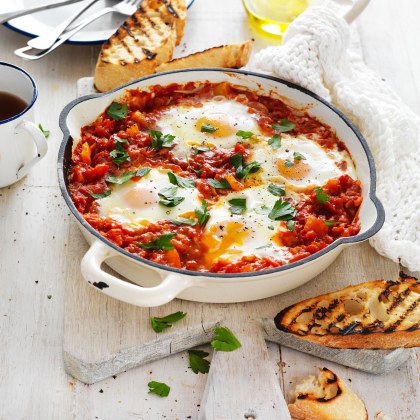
pixel 37 245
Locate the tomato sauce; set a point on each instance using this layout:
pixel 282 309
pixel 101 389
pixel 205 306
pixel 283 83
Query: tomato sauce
pixel 315 226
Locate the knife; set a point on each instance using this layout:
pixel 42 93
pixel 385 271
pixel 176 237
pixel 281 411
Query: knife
pixel 4 17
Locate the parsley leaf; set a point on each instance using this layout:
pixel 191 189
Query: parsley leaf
pixel 181 182
pixel 119 154
pixel 225 340
pixel 243 170
pixel 290 224
pixel 223 183
pixel 198 363
pixel 265 246
pixel 262 210
pixel 126 176
pixel 160 140
pixel 282 210
pixel 208 128
pixel 143 171
pixel 321 197
pixel 168 198
pixel 298 156
pixel 277 190
pixel 163 242
pixel 116 111
pixel 201 149
pixel 46 133
pixel 331 223
pixel 184 221
pixel 238 205
pixel 288 163
pixel 245 134
pixel 102 195
pixel 159 388
pixel 275 142
pixel 284 126
pixel 160 324
pixel 202 213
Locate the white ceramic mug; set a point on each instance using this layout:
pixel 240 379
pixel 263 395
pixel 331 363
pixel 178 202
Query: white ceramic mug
pixel 22 143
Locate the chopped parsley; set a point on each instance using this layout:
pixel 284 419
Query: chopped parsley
pixel 126 176
pixel 120 154
pixel 197 360
pixel 46 133
pixel 160 140
pixel 202 213
pixel 163 242
pixel 277 190
pixel 262 210
pixel 331 223
pixel 159 388
pixel 181 182
pixel 298 156
pixel 102 195
pixel 143 171
pixel 184 221
pixel 245 134
pixel 168 198
pixel 275 142
pixel 223 183
pixel 225 340
pixel 290 224
pixel 117 111
pixel 201 149
pixel 208 128
pixel 160 324
pixel 243 170
pixel 288 163
pixel 282 210
pixel 237 205
pixel 284 126
pixel 321 197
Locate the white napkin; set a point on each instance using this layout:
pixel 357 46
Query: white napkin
pixel 316 53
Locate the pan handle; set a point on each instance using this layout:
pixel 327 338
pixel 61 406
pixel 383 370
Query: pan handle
pixel 172 283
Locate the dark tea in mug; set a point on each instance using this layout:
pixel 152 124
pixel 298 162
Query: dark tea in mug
pixel 10 105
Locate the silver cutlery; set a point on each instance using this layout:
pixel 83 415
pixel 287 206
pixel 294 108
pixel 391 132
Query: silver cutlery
pixel 125 7
pixel 47 40
pixel 4 17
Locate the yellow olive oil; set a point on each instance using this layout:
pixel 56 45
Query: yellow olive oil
pixel 274 16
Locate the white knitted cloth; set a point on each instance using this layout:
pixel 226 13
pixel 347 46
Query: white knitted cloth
pixel 316 53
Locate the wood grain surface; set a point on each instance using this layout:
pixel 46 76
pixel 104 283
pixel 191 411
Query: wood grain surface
pixel 41 248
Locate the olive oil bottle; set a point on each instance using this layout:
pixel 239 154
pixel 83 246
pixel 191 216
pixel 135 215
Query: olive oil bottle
pixel 274 16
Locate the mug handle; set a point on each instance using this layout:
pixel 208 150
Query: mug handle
pixel 40 142
pixel 172 283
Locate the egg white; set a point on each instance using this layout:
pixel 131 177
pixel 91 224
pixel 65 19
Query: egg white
pixel 184 123
pixel 317 166
pixel 137 202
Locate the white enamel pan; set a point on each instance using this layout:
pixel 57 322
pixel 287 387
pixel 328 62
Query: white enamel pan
pixel 156 284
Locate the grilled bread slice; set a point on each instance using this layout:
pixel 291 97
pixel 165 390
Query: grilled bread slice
pixel 145 40
pixel 327 398
pixel 228 56
pixel 373 315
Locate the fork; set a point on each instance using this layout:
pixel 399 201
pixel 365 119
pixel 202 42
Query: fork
pixel 47 40
pixel 124 7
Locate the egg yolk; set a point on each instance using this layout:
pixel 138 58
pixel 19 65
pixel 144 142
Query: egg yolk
pixel 297 169
pixel 223 129
pixel 217 245
pixel 139 198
